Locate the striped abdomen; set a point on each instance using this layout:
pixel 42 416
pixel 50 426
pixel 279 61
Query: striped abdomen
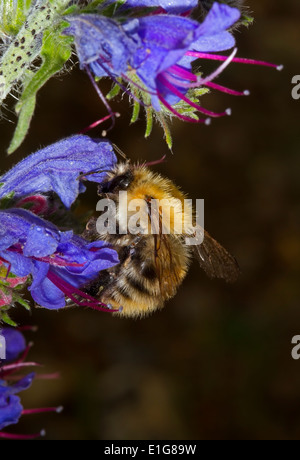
pixel 143 280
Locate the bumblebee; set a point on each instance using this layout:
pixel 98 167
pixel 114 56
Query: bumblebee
pixel 152 264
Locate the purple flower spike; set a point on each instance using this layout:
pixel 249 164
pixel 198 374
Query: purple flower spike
pixel 57 168
pixel 59 262
pixel 154 54
pixel 11 383
pixel 10 405
pixel 152 47
pixel 166 41
pixel 15 343
pixel 174 6
pixel 102 43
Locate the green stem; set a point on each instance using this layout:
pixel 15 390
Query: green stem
pixel 26 45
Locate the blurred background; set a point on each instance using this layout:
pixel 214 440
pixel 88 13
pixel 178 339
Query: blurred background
pixel 216 362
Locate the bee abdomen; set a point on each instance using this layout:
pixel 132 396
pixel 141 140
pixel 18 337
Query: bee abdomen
pixel 148 272
pixel 144 268
pixel 136 287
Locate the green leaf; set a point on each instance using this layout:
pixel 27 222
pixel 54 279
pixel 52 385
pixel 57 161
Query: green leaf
pixel 149 121
pixel 25 116
pixel 135 112
pixel 56 50
pixel 13 14
pixel 110 10
pixel 247 20
pixel 6 201
pixel 113 92
pixel 22 302
pixel 166 129
pixel 7 320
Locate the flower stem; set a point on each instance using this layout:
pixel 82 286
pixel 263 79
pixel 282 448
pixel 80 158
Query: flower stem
pixel 26 46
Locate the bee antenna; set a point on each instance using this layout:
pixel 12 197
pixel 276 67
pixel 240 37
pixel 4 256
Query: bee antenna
pixel 156 162
pixel 120 152
pixel 96 171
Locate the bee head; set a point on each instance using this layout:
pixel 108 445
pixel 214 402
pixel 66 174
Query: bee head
pixel 117 180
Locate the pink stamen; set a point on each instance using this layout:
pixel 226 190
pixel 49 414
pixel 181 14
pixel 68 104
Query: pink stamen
pixel 16 366
pixel 21 437
pixel 220 69
pixel 28 328
pixel 57 261
pixel 70 290
pixel 55 375
pixel 17 377
pixel 200 109
pixel 52 260
pixel 25 353
pixel 99 122
pixel 182 73
pixel 39 203
pixel 58 410
pixel 223 89
pixel 103 99
pixel 218 57
pixel 20 360
pixel 179 115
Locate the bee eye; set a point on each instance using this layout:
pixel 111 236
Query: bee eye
pixel 124 183
pixel 121 182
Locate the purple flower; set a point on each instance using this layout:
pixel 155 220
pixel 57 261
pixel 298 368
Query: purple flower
pixel 57 167
pixel 154 54
pixel 10 405
pixel 15 343
pixel 174 6
pixel 11 408
pixel 154 48
pixel 59 262
pixel 172 43
pixel 163 63
pixel 102 43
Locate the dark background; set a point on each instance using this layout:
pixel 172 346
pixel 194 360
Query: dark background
pixel 216 362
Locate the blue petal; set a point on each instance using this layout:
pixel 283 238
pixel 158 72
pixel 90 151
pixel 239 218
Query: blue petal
pixel 101 41
pixel 57 167
pixel 104 259
pixel 94 262
pixel 220 17
pixel 48 295
pixel 10 410
pixel 171 6
pixel 41 242
pixel 15 343
pixel 39 272
pixel 165 39
pixel 39 237
pixel 11 229
pixel 22 384
pixel 20 265
pixel 219 42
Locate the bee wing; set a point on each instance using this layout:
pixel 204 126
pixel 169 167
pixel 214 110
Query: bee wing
pixel 168 270
pixel 167 251
pixel 216 260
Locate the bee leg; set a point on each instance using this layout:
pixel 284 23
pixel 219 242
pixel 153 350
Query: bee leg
pixel 90 232
pixel 134 243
